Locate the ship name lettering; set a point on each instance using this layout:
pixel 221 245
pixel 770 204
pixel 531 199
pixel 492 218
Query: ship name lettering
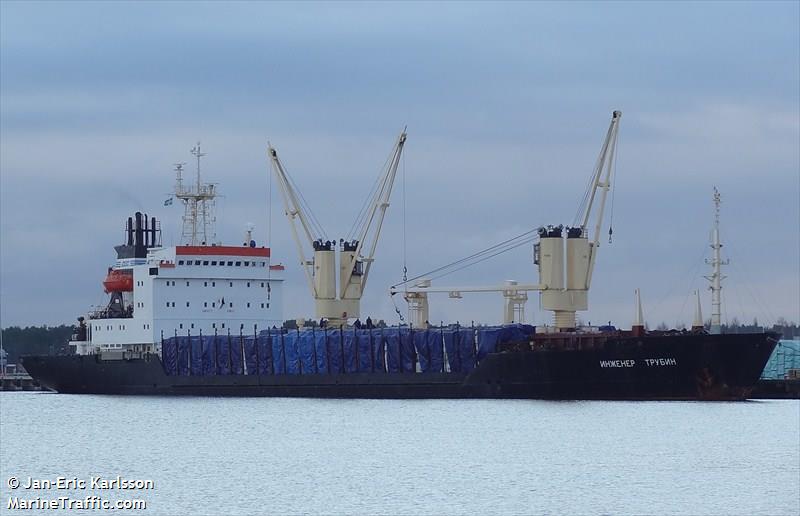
pixel 617 363
pixel 651 362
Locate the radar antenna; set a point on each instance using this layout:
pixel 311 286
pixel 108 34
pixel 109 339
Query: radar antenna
pixel 199 203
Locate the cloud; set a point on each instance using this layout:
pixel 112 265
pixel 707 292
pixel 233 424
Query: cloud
pixel 506 105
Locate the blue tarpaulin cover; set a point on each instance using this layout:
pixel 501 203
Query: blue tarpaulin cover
pixel 236 346
pixel 278 354
pixel 292 353
pixel 264 342
pixel 183 356
pixel 250 358
pixel 392 340
pixel 169 360
pixel 422 349
pixel 307 352
pixel 350 363
pixel 335 351
pixel 209 361
pixel 223 352
pixel 466 349
pixel 366 352
pixel 321 346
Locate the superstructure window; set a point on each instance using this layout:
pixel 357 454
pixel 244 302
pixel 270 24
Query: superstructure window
pixel 181 326
pixel 248 305
pixel 230 264
pixel 154 271
pixel 180 262
pixel 262 284
pixel 197 262
pixel 262 305
pixel 238 264
pixel 187 283
pixel 187 304
pixel 192 325
pixel 248 284
pixel 213 262
pixel 205 283
pixel 205 262
pixel 247 264
pixel 213 283
pixel 231 283
pixel 205 304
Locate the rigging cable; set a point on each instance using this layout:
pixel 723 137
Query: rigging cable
pixel 489 252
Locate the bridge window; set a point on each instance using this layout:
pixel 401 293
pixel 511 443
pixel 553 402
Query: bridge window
pixel 238 264
pixel 205 262
pixel 230 264
pixel 197 262
pixel 180 262
pixel 247 264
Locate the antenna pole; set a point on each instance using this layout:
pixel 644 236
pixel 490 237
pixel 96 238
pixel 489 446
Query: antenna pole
pixel 716 267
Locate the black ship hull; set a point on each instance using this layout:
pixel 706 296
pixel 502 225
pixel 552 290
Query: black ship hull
pixel 623 367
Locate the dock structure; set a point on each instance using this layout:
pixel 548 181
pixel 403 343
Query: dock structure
pixel 19 382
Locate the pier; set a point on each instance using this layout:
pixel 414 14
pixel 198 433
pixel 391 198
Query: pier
pixel 19 382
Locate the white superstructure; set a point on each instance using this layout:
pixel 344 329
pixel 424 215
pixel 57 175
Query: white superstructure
pixel 189 290
pixel 202 287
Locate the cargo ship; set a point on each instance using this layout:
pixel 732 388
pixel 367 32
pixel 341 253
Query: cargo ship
pixel 341 358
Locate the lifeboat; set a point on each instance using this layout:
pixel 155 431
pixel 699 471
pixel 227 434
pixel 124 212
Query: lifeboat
pixel 118 281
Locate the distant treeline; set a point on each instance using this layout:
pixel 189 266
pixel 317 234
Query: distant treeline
pixel 45 340
pixel 35 340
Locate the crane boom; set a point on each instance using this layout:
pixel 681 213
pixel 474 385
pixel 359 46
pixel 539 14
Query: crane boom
pixel 379 204
pixel 337 306
pixel 293 210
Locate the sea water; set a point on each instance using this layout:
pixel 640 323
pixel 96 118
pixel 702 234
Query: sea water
pixel 247 456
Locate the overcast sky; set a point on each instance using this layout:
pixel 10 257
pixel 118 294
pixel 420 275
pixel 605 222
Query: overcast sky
pixel 506 106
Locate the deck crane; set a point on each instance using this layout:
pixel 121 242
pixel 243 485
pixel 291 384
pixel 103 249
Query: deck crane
pixel 563 298
pixel 356 255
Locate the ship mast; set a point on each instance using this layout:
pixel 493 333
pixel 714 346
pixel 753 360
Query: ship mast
pixel 716 275
pixel 198 202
